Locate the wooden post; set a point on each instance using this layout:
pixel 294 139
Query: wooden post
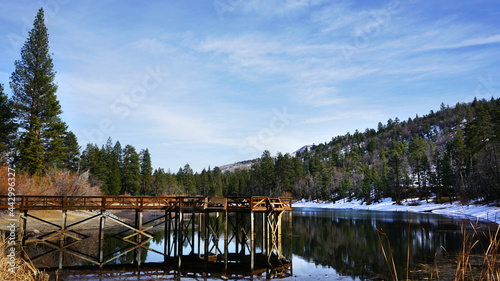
pixel 290 233
pixel 166 236
pixel 136 237
pixel 252 242
pixel 139 239
pixel 101 238
pixel 199 235
pixel 236 231
pixel 280 253
pixel 263 232
pixel 61 238
pixel 268 234
pixel 176 234
pixel 216 234
pixel 192 233
pixel 22 232
pixel 225 240
pixel 205 230
pixel 180 238
pixel 242 227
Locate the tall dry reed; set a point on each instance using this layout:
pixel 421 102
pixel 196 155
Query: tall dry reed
pixel 470 267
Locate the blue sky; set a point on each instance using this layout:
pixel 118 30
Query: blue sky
pixel 214 82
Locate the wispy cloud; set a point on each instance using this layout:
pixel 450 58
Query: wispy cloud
pixel 472 42
pixel 335 65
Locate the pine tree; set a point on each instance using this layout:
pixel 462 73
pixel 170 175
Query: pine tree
pixel 186 178
pixel 113 156
pixel 397 172
pixel 159 182
pixel 71 151
pixel 146 171
pixel 93 160
pixel 131 171
pixel 35 104
pixel 267 173
pixel 8 127
pixel 419 163
pixel 217 182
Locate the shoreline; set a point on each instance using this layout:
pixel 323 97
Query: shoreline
pixel 473 212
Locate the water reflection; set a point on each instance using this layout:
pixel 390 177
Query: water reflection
pixel 326 244
pixel 208 245
pixel 348 242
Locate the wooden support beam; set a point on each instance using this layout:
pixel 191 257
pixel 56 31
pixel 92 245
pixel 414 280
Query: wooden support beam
pixel 192 232
pixel 199 234
pixel 139 236
pixel 180 238
pixel 206 229
pixel 166 242
pixel 280 252
pixel 252 242
pixel 23 233
pixel 61 239
pixel 226 246
pixel 101 238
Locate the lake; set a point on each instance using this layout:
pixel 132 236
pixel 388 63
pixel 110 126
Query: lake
pixel 324 245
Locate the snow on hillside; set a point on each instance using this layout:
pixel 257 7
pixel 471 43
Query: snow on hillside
pixel 472 212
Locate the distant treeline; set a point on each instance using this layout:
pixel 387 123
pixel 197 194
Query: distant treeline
pixel 451 153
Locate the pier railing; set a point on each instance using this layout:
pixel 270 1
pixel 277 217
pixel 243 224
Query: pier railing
pixel 172 203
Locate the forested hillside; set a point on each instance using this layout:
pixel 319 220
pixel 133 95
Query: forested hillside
pixel 452 153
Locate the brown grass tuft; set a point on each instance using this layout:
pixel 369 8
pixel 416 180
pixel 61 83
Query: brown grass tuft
pixel 23 270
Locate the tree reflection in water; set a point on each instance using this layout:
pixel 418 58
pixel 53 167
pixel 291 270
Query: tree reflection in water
pixel 347 240
pixel 340 242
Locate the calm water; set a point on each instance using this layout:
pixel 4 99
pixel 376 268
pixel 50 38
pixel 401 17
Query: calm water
pixel 325 245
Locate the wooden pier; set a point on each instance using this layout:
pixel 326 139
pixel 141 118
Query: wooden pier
pixel 216 221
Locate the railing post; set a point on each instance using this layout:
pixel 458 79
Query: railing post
pixel 65 202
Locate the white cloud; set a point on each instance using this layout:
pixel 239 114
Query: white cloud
pixel 225 77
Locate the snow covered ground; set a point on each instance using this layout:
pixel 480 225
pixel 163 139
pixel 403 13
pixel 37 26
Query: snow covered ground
pixel 472 211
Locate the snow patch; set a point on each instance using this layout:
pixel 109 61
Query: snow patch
pixel 472 212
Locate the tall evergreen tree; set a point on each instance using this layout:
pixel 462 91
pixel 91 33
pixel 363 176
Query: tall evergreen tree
pixel 131 171
pixel 8 127
pixel 397 172
pixel 159 182
pixel 267 173
pixel 186 178
pixel 146 172
pixel 419 163
pixel 35 103
pixel 71 151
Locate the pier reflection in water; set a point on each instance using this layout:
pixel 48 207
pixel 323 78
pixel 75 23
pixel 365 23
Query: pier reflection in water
pixel 187 242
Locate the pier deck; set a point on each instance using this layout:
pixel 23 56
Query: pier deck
pixel 170 203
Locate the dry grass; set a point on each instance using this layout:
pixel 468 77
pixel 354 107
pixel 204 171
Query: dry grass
pixel 23 270
pixel 490 267
pixel 469 267
pixel 53 182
